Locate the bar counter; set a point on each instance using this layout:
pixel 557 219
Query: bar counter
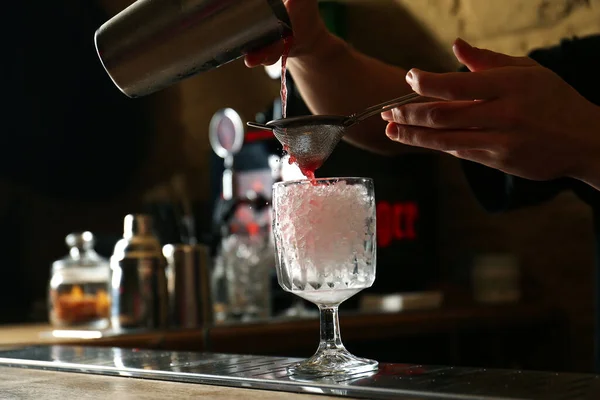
pixel 495 336
pixel 93 372
pixel 26 384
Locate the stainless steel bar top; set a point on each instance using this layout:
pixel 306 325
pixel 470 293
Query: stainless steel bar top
pixel 391 381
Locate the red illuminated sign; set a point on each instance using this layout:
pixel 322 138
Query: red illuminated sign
pixel 396 221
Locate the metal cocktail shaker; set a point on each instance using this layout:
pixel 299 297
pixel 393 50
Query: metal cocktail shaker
pixel 188 274
pixel 153 44
pixel 139 279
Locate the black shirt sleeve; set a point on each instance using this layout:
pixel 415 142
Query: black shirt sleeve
pixel 577 61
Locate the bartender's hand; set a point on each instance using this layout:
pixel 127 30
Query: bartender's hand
pixel 508 113
pixel 309 30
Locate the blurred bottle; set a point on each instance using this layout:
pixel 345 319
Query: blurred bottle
pixel 245 261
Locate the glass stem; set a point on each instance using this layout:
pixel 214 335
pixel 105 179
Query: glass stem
pixel 331 338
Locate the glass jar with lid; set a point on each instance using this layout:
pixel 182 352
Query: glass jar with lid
pixel 79 294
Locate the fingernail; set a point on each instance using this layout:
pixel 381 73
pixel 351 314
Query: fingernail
pixel 460 42
pixel 392 131
pixel 387 115
pixel 410 77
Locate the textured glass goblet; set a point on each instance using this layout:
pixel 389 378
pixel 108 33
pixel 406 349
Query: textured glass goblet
pixel 325 253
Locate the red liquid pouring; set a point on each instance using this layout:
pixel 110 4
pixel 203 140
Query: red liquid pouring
pixel 307 170
pixel 309 174
pixel 288 42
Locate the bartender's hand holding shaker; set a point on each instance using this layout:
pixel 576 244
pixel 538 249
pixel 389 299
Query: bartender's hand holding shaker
pixel 509 113
pixel 309 30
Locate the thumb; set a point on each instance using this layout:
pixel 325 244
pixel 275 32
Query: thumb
pixel 481 59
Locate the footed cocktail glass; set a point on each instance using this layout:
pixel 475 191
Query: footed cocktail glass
pixel 325 245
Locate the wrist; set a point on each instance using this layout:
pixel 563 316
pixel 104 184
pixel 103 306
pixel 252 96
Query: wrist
pixel 325 47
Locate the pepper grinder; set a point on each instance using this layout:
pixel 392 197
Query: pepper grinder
pixel 139 280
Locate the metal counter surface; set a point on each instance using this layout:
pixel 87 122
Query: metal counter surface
pixel 392 381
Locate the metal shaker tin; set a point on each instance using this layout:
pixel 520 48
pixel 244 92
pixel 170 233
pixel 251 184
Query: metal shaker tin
pixel 153 44
pixel 139 281
pixel 188 275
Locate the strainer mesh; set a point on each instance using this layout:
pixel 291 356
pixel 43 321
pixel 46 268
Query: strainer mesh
pixel 310 145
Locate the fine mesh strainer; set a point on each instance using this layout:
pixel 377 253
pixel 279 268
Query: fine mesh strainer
pixel 311 139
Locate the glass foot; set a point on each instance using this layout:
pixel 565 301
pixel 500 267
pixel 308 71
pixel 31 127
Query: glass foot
pixel 333 362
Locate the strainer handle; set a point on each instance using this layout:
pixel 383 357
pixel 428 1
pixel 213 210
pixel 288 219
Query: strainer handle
pixel 259 126
pixel 388 105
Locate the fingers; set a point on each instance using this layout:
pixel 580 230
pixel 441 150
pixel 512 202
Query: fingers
pixel 479 156
pixel 265 56
pixel 447 115
pixel 483 83
pixel 444 140
pixel 481 59
pixel 483 147
pixel 455 85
